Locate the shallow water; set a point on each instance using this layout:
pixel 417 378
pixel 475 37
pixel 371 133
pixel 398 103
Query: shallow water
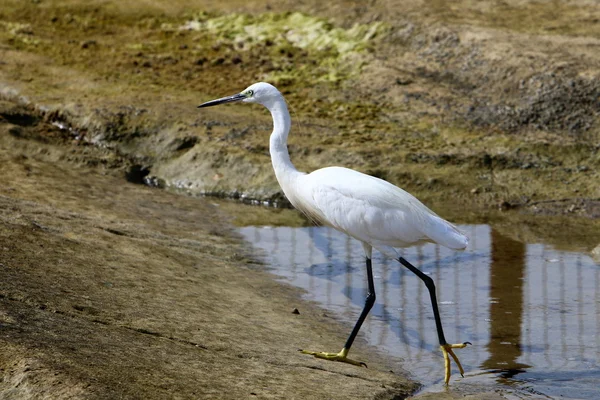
pixel 531 311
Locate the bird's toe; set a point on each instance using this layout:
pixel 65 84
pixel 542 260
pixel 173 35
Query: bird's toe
pixel 339 357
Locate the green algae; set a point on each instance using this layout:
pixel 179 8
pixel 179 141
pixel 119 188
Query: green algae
pixel 18 34
pixel 320 50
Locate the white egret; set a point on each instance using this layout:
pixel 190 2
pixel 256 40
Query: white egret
pixel 371 210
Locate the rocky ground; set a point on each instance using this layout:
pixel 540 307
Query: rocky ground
pixel 117 290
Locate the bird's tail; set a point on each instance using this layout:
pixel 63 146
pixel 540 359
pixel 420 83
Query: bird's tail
pixel 444 233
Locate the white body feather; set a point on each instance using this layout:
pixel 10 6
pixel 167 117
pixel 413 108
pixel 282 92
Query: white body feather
pixel 370 209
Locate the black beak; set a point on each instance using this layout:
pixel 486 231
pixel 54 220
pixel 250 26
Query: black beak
pixel 222 100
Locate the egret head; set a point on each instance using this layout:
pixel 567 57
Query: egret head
pixel 261 92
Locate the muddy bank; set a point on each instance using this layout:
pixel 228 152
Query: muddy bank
pixel 115 290
pixel 111 289
pixel 493 104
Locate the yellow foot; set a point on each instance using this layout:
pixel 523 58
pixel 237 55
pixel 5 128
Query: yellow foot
pixel 340 357
pixel 447 349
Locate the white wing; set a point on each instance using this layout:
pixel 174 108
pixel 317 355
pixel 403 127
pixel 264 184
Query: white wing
pixel 371 210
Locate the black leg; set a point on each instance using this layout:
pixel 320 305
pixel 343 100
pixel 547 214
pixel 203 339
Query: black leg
pixel 431 287
pixel 447 349
pixel 368 305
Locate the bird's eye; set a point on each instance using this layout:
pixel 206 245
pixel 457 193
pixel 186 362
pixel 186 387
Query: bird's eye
pixel 249 93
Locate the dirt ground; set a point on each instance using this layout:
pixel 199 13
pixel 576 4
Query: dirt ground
pixel 112 289
pixel 115 290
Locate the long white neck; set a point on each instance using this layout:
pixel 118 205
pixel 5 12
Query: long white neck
pixel 285 171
